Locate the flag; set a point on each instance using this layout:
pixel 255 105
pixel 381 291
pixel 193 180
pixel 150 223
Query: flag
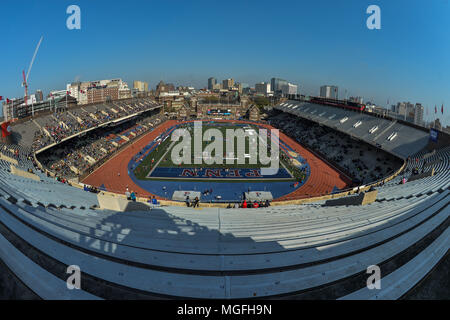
pixel 442 109
pixel 7 100
pixel 6 129
pixel 435 109
pixel 1 98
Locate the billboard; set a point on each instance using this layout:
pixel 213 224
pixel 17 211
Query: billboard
pixel 219 111
pixel 433 135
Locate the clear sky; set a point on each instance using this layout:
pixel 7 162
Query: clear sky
pixel 310 43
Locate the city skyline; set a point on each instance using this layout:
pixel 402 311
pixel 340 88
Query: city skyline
pixel 404 61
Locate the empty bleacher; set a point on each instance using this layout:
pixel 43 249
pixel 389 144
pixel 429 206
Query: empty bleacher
pixel 298 251
pixel 408 141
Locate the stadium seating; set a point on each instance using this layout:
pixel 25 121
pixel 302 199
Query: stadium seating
pixel 300 251
pixel 307 251
pixel 54 127
pixel 364 163
pixel 408 141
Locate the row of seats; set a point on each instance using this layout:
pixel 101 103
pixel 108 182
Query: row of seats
pixel 219 253
pixel 363 162
pixel 76 156
pixel 47 129
pixel 369 128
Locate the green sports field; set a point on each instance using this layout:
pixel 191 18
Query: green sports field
pixel 162 155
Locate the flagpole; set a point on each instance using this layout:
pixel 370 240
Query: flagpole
pixel 434 122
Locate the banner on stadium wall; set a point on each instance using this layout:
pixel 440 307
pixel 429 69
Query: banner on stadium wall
pixel 6 129
pixel 433 135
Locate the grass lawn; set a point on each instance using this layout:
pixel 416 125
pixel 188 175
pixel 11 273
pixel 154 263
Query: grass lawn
pixel 163 153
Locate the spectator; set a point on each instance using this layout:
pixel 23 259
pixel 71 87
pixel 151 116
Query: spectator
pixel 244 204
pixel 255 204
pixel 188 204
pixel 133 196
pixel 128 195
pixel 196 202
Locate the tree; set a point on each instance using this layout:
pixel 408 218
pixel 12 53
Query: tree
pixel 261 101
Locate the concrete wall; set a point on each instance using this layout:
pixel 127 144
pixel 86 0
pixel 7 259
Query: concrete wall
pixel 10 160
pixel 355 200
pixel 118 203
pixel 25 174
pixel 421 175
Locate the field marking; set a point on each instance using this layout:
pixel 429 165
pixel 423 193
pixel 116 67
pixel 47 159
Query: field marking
pixel 160 159
pixel 149 177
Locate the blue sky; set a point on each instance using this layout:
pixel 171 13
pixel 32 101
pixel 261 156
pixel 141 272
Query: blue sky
pixel 310 43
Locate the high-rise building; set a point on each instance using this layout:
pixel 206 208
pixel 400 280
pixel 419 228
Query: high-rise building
pixel 217 86
pixel 140 85
pixel 227 84
pixel 39 96
pixel 289 89
pixel 79 90
pixel 238 87
pixel 97 95
pixel 330 92
pixel 407 111
pixel 401 108
pixel 262 88
pixel 277 84
pixel 211 83
pixel 418 114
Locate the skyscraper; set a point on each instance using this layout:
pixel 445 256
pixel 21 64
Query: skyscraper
pixel 418 114
pixel 140 85
pixel 276 84
pixel 227 84
pixel 211 82
pixel 262 88
pixel 39 96
pixel 329 92
pixel 289 89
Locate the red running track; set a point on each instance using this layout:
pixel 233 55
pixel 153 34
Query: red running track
pixel 114 174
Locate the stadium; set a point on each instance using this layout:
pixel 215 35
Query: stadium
pixel 353 190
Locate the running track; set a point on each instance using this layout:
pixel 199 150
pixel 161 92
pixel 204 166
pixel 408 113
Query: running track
pixel 321 181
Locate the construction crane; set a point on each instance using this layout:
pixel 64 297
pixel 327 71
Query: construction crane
pixel 25 77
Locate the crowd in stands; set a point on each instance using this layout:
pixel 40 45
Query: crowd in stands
pixel 40 140
pixel 75 156
pixel 65 123
pixel 26 160
pixel 362 162
pixel 249 204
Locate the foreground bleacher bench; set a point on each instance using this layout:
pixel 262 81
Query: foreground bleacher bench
pixel 298 251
